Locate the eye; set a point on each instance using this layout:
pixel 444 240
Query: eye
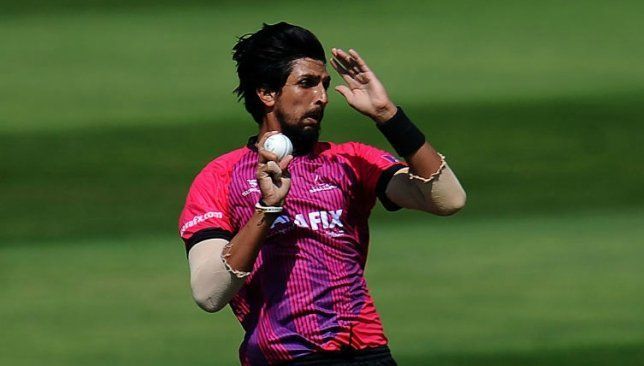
pixel 307 83
pixel 326 83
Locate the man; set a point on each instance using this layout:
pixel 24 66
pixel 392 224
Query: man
pixel 285 242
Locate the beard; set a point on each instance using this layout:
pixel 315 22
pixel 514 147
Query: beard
pixel 303 138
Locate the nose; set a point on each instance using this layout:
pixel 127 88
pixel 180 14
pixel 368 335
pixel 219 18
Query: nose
pixel 322 97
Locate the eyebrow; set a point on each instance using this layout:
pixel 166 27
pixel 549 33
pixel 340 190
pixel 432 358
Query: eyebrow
pixel 328 77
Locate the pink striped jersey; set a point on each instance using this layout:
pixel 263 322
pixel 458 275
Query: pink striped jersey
pixel 307 292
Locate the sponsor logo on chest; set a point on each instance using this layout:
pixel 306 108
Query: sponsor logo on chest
pixel 314 220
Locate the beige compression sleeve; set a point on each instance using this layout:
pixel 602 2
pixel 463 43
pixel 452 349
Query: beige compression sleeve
pixel 212 284
pixel 440 194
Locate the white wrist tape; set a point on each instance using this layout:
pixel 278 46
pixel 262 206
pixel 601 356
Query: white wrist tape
pixel 268 209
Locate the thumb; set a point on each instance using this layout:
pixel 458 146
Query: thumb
pixel 345 91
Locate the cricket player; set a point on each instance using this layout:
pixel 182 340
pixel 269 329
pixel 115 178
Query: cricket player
pixel 285 242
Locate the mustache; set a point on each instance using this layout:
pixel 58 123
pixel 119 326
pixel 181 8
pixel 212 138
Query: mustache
pixel 317 114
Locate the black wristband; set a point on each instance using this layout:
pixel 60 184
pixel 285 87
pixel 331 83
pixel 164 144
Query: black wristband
pixel 402 134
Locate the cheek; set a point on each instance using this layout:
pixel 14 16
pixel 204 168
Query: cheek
pixel 305 97
pixel 298 100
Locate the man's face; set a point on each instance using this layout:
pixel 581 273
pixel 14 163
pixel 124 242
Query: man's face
pixel 299 106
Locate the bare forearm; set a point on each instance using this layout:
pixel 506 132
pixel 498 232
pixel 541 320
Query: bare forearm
pixel 425 162
pixel 242 250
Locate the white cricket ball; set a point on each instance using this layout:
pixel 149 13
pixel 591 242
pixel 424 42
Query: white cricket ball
pixel 279 144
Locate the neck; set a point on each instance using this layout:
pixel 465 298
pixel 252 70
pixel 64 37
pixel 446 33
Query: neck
pixel 269 123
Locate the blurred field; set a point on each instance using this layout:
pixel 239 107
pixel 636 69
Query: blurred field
pixel 552 290
pixel 109 108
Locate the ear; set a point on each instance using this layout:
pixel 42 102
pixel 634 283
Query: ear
pixel 267 97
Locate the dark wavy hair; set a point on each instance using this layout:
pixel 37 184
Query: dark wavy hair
pixel 265 60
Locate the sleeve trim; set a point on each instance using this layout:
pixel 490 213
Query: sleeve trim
pixel 381 187
pixel 201 235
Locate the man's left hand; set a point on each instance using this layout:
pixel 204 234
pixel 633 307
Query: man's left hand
pixel 363 91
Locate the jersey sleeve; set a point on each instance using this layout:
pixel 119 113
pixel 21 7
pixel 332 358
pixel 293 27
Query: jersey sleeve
pixel 375 167
pixel 206 212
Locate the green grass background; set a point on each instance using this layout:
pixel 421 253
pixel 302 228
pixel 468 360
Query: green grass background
pixel 109 108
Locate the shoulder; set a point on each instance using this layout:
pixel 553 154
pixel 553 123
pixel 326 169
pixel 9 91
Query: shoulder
pixel 223 165
pixel 228 160
pixel 358 151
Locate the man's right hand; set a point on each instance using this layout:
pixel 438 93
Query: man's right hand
pixel 272 175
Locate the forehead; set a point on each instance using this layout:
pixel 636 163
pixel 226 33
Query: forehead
pixel 308 66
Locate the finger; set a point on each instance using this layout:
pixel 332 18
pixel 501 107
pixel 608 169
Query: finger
pixel 343 73
pixel 337 58
pixel 361 64
pixel 344 57
pixel 346 76
pixel 261 171
pixel 284 187
pixel 274 171
pixel 341 59
pixel 266 156
pixel 334 52
pixel 283 164
pixel 338 67
pixel 341 69
pixel 345 91
pixel 265 136
pixel 348 61
pixel 263 174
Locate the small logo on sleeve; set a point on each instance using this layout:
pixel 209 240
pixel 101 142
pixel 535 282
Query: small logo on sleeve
pixel 390 158
pixel 199 219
